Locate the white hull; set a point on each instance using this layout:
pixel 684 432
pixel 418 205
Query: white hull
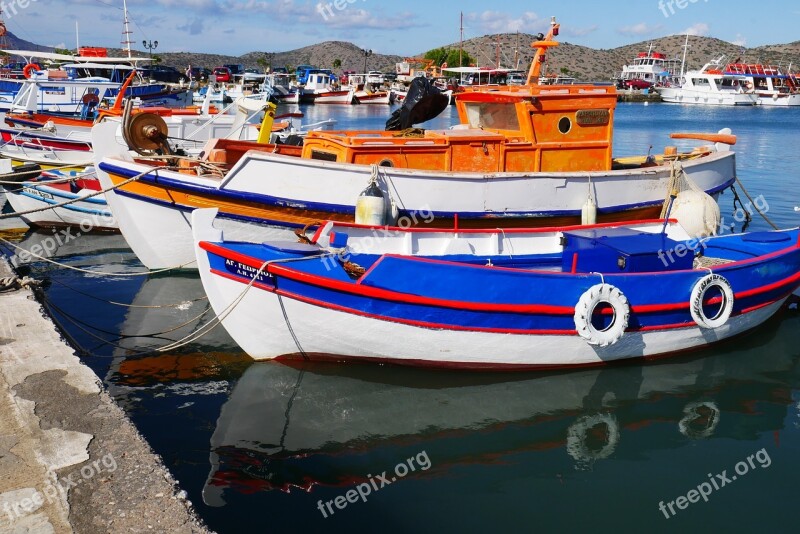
pixel 381 97
pixel 677 95
pixel 329 97
pixel 90 214
pixel 267 326
pixel 45 156
pixel 778 99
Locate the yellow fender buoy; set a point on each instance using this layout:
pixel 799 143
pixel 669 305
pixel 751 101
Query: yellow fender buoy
pixel 265 132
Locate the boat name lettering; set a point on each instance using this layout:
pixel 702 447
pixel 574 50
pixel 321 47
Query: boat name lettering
pixel 240 269
pixel 42 194
pixel 588 117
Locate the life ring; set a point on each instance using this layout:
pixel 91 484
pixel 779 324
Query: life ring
pixel 691 414
pixel 29 69
pixel 699 292
pixel 749 85
pixel 595 295
pixel 90 99
pixel 579 431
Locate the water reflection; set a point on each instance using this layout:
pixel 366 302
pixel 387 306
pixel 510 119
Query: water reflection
pixel 308 425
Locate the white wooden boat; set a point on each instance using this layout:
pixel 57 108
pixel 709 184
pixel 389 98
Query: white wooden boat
pixel 710 86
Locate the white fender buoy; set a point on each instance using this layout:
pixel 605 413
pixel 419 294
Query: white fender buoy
pixel 595 295
pixel 371 206
pixel 589 212
pixel 699 291
pixel 697 212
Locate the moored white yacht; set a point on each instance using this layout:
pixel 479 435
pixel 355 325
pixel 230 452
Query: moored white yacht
pixel 710 86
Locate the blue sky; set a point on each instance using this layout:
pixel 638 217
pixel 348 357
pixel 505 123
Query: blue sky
pixel 402 27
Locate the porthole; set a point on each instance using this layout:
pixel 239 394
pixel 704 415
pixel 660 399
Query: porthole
pixel 564 125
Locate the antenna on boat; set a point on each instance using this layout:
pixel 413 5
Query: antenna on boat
pixel 126 32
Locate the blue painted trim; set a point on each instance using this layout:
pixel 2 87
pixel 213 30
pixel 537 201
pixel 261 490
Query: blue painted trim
pixel 71 207
pixel 350 210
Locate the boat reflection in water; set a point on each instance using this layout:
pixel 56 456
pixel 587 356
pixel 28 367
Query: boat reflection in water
pixel 312 425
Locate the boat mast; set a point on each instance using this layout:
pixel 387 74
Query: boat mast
pixel 685 48
pixel 461 43
pixel 126 32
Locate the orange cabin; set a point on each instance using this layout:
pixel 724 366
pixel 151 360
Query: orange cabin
pixel 510 129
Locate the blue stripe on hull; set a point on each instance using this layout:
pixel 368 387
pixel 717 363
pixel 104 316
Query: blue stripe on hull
pixel 269 200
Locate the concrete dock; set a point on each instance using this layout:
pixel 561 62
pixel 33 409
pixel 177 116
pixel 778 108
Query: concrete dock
pixel 70 459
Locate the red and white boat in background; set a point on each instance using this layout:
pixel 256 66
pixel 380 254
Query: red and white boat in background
pixel 649 69
pixel 319 90
pixel 369 88
pixel 772 86
pixel 282 90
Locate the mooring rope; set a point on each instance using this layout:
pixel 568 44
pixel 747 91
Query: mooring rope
pixel 87 271
pixel 154 306
pixel 79 199
pixel 752 203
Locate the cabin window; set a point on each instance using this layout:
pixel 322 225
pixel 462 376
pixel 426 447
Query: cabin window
pixel 494 115
pixel 324 156
pixel 564 125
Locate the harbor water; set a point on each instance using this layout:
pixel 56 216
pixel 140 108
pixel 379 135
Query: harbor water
pixel 704 440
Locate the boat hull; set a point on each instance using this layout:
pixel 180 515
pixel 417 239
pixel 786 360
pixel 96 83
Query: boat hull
pixel 304 312
pixel 379 97
pixel 328 97
pixel 677 95
pixel 88 214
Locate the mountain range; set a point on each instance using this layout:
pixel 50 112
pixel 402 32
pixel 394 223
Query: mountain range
pixel 513 49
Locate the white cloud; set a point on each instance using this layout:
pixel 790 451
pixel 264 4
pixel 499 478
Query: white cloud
pixel 740 40
pixel 639 29
pixel 498 22
pixel 700 28
pixel 580 32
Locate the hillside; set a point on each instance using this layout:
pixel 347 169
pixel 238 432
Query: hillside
pixel 590 64
pixel 586 64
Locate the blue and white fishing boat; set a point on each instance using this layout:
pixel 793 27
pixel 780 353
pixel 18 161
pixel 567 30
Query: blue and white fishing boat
pixel 51 189
pixel 513 298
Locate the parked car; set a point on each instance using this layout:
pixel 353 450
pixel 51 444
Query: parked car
pixel 236 70
pixel 222 74
pixel 636 84
pixel 163 73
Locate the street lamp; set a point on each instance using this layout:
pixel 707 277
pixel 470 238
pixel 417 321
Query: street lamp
pixel 367 53
pixel 151 45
